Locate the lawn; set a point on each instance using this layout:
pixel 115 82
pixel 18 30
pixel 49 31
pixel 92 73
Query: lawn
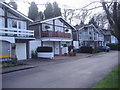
pixel 111 80
pixel 9 64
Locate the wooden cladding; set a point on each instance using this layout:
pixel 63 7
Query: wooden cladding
pixel 55 34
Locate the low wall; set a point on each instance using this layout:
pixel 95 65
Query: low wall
pixel 46 55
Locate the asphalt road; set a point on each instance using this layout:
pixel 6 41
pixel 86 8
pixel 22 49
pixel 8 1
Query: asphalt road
pixel 80 73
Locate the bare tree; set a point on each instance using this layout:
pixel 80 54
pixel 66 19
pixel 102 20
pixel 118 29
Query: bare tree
pixel 101 19
pixel 68 14
pixel 82 15
pixel 113 16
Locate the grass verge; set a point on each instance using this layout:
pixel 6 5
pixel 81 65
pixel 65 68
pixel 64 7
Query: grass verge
pixel 111 80
pixel 7 65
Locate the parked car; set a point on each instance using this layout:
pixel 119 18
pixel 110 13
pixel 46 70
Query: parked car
pixel 104 48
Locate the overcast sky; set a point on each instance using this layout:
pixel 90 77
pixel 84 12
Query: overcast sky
pixel 23 7
pixel 77 4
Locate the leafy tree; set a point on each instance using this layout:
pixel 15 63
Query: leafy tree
pixel 14 4
pixel 48 12
pixel 40 15
pixel 57 10
pixel 33 11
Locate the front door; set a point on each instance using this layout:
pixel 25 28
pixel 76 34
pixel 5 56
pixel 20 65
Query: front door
pixel 57 48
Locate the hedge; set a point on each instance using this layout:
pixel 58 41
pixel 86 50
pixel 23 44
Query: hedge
pixel 44 49
pixel 114 46
pixel 86 49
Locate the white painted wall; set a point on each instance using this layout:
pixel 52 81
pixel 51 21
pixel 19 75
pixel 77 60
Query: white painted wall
pixel 33 46
pixel 1 12
pixel 21 51
pixel 2 22
pixel 113 39
pixel 9 39
pixel 64 50
pixel 76 44
pixel 57 49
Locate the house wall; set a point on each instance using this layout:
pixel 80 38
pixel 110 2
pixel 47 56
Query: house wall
pixel 21 51
pixel 57 47
pixel 76 44
pixel 90 34
pixel 33 46
pixel 2 22
pixel 17 24
pixel 1 12
pixel 113 39
pixel 59 26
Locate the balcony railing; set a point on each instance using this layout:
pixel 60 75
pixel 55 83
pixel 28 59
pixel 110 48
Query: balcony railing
pixel 16 32
pixel 55 34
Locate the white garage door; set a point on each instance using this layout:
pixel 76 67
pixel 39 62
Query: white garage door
pixel 21 51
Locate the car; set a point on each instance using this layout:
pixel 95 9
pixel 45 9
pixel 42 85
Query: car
pixel 104 48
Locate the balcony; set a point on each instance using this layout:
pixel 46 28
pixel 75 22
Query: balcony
pixel 56 34
pixel 16 32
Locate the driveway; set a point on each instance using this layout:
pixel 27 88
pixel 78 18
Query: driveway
pixel 75 73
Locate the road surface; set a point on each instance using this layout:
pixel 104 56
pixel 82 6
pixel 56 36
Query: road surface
pixel 80 73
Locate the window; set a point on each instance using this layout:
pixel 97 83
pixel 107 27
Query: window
pixel 90 38
pixel 19 25
pixel 14 24
pixel 90 33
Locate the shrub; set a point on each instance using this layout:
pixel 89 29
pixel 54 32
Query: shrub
pixel 47 27
pixel 33 54
pixel 70 48
pixel 114 46
pixel 44 49
pixel 64 45
pixel 86 49
pixel 97 50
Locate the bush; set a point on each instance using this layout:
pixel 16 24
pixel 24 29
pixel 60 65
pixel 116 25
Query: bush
pixel 34 54
pixel 97 50
pixel 86 49
pixel 70 48
pixel 44 49
pixel 114 46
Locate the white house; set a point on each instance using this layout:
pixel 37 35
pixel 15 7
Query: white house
pixel 108 37
pixel 54 32
pixel 14 30
pixel 88 35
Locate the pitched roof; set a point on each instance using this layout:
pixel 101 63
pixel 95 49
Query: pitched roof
pixel 80 27
pixel 15 11
pixel 59 17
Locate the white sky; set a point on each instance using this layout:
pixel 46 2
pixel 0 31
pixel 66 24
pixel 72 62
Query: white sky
pixel 23 7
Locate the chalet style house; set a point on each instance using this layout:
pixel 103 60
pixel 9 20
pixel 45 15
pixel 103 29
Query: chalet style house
pixel 54 32
pixel 108 37
pixel 87 35
pixel 14 33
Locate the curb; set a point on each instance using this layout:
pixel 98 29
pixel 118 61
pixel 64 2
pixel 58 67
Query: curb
pixel 19 69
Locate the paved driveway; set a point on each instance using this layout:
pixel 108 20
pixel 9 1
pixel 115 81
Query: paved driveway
pixel 78 73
